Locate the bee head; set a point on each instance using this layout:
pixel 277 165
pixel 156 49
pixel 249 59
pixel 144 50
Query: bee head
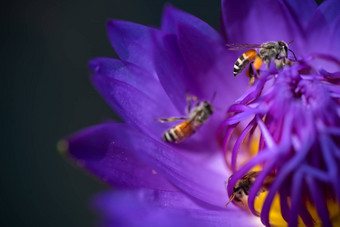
pixel 283 48
pixel 208 107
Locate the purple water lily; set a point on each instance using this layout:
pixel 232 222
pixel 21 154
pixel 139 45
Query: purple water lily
pixel 292 114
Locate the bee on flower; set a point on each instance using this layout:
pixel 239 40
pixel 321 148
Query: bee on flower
pixel 277 141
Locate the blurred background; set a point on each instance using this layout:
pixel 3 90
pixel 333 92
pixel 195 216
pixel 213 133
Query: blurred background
pixel 46 95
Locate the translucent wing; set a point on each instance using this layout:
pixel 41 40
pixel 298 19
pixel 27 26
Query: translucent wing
pixel 241 46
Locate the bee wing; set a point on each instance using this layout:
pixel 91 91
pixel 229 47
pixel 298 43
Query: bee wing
pixel 241 46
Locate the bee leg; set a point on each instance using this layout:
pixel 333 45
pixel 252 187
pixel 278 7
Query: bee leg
pixel 250 73
pixel 258 63
pixel 198 102
pixel 231 198
pixel 290 63
pixel 171 119
pixel 280 62
pixel 191 98
pixel 251 81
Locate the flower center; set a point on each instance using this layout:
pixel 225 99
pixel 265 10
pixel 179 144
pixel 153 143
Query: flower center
pixel 291 119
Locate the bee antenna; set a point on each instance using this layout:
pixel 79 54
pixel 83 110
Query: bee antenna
pixel 293 54
pixel 290 42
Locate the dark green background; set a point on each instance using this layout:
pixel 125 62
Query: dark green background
pixel 46 95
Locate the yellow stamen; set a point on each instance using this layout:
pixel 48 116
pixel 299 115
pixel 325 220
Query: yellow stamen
pixel 275 215
pixel 276 219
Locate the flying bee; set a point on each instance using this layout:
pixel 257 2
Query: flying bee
pixel 269 51
pixel 243 185
pixel 197 116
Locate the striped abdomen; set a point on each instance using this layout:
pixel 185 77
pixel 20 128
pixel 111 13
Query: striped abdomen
pixel 179 132
pixel 244 60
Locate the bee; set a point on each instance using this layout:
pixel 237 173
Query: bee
pixel 197 116
pixel 242 186
pixel 269 51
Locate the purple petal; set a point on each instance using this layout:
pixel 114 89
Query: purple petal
pixel 197 65
pixel 147 98
pixel 195 179
pixel 210 67
pixel 130 74
pixel 161 208
pixel 330 10
pixel 171 69
pixel 172 17
pixel 94 149
pixel 321 23
pixel 193 59
pixel 296 208
pixel 159 198
pixel 128 208
pixel 138 98
pixel 320 203
pixel 335 37
pixel 132 42
pixel 258 21
pixel 301 10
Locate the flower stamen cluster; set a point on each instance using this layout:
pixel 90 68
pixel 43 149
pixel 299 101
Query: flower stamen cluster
pixel 294 116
